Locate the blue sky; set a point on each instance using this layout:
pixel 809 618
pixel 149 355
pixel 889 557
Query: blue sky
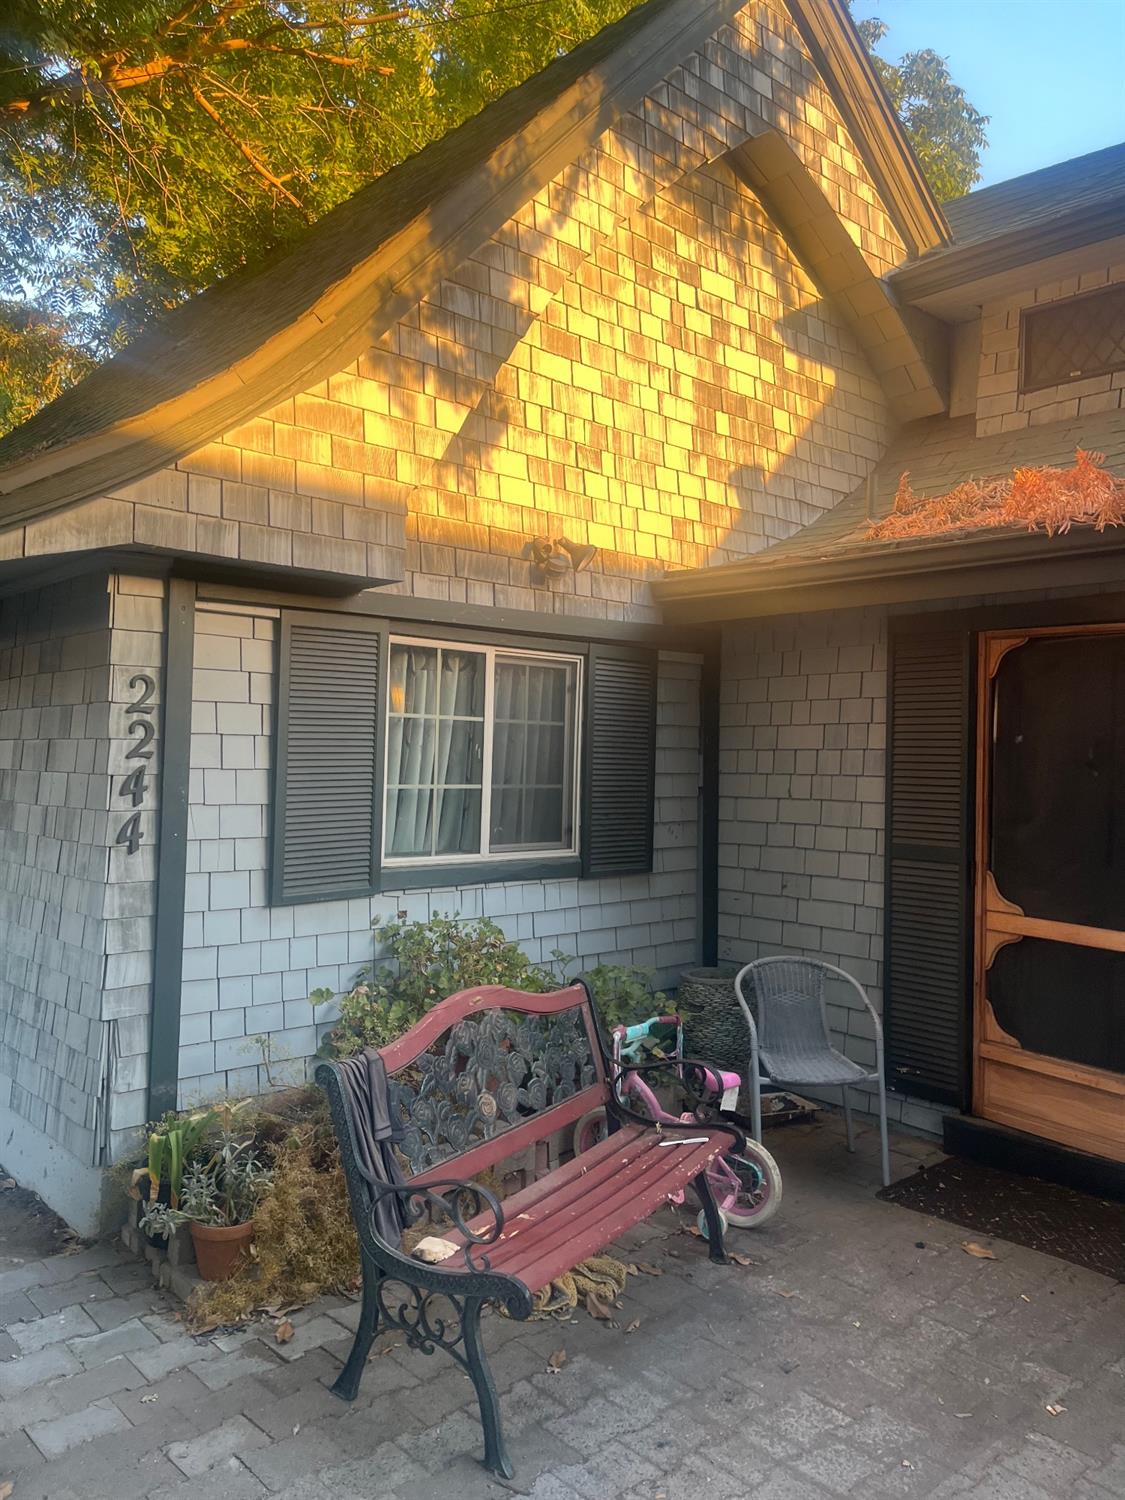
pixel 1049 72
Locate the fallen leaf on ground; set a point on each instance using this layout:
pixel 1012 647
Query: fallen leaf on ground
pixel 5 1184
pixel 1024 1297
pixel 694 1230
pixel 780 1293
pixel 738 1258
pixel 597 1308
pixel 647 1269
pixel 148 1400
pixel 1053 1410
pixel 633 1326
pixel 962 1414
pixel 6 1488
pixel 981 1252
pixel 556 1360
pixel 284 1331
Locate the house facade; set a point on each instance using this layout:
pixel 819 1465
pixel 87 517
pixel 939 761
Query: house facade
pixel 501 550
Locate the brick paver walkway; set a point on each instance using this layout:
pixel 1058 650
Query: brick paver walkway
pixel 863 1353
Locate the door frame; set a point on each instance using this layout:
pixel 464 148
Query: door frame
pixel 997 921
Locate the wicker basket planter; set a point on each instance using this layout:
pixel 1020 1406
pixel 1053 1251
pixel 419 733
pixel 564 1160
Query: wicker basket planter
pixel 714 1027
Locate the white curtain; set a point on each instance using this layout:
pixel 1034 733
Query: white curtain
pixel 434 751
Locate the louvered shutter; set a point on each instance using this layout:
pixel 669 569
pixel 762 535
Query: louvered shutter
pixel 929 836
pixel 620 761
pixel 328 758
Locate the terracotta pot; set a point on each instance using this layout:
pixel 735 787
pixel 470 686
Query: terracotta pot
pixel 220 1248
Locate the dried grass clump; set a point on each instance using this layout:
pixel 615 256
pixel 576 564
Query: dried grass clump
pixel 304 1242
pixel 1043 499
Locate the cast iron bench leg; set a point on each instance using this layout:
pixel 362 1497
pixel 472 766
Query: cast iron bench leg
pixel 495 1452
pixel 347 1382
pixel 715 1246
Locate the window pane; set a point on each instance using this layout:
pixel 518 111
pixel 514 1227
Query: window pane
pixel 435 751
pixel 409 821
pixel 532 755
pixel 413 680
pixel 462 683
pixel 458 830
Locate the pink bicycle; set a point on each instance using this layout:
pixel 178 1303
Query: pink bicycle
pixel 747 1187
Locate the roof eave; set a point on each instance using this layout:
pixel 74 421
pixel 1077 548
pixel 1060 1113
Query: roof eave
pixel 960 265
pixel 903 572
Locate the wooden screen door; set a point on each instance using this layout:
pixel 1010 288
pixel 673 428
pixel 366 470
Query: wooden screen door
pixel 1049 1001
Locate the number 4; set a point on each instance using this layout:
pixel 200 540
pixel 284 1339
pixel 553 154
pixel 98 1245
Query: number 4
pixel 134 785
pixel 130 834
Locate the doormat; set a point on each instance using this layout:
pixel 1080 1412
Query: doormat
pixel 1076 1227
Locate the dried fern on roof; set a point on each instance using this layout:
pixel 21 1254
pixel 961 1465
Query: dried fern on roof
pixel 1039 499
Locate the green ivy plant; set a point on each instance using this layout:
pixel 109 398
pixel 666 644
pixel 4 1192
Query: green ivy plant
pixel 423 962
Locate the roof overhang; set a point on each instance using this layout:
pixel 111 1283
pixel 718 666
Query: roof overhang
pixel 960 265
pixel 894 573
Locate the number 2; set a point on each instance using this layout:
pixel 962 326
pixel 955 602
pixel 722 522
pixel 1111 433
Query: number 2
pixel 148 734
pixel 147 686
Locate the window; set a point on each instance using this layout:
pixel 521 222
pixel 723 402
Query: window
pixel 1073 339
pixel 404 760
pixel 481 753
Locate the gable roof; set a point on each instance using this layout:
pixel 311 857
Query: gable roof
pixel 938 453
pixel 254 339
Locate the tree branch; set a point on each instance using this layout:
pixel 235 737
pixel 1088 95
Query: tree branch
pixel 258 165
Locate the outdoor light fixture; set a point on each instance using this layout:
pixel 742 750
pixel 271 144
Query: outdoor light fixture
pixel 551 557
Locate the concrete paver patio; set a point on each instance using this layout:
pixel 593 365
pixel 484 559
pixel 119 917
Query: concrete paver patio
pixel 863 1353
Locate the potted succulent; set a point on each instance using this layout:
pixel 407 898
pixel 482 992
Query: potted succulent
pixel 217 1200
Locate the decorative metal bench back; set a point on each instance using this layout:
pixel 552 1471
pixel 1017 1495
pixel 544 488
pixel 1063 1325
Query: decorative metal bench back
pixel 489 1070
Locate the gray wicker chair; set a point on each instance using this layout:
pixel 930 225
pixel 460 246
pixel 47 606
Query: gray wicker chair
pixel 790 1041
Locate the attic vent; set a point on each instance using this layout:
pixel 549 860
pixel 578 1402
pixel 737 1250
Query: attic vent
pixel 1073 339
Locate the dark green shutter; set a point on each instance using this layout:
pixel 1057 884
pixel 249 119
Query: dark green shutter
pixel 328 774
pixel 618 803
pixel 929 866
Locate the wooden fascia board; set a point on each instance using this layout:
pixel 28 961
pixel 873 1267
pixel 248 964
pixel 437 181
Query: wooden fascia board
pixel 359 308
pixel 958 266
pixel 843 62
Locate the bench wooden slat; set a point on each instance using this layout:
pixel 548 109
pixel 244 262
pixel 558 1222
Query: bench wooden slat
pixel 628 1177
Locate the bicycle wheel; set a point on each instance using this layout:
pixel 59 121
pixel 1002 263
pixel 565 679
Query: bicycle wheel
pixel 701 1222
pixel 758 1195
pixel 591 1129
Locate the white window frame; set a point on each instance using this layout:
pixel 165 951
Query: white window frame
pixel 485 855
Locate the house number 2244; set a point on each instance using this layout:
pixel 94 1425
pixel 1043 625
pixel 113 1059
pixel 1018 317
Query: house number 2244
pixel 134 786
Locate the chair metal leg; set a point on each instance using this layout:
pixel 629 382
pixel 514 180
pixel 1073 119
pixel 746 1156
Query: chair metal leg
pixel 755 1096
pixel 715 1246
pixel 886 1154
pixel 347 1382
pixel 495 1451
pixel 848 1118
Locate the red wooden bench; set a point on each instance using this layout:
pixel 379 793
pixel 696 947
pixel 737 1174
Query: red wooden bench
pixel 485 1074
